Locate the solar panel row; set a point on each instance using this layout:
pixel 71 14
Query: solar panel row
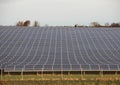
pixel 89 67
pixel 59 48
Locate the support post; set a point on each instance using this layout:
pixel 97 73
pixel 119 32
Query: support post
pixel 37 73
pixel 84 72
pixel 53 73
pixel 116 73
pixel 42 74
pixel 69 74
pixel 8 73
pixel 22 74
pixel 62 74
pixel 101 73
pixel 81 74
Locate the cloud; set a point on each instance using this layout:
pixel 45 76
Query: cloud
pixel 6 1
pixel 9 1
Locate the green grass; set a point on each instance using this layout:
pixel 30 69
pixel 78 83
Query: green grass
pixel 59 82
pixel 50 76
pixel 49 79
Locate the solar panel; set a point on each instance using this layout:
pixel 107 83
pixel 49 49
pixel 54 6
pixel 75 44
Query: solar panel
pixel 59 49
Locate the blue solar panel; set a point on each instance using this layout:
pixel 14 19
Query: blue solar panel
pixel 59 48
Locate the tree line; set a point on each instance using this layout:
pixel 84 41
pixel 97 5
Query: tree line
pixel 27 23
pixel 92 24
pixel 96 24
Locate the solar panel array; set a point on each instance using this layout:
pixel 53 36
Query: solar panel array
pixel 59 49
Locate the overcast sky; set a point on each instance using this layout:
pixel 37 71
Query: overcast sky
pixel 59 12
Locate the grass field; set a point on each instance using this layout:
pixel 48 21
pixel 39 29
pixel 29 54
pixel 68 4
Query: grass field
pixel 72 79
pixel 59 82
pixel 50 76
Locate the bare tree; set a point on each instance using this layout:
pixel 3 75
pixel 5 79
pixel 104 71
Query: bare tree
pixel 107 24
pixel 20 23
pixel 95 24
pixel 36 24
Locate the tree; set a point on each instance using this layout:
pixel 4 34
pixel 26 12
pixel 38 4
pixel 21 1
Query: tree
pixel 46 25
pixel 107 25
pixel 95 24
pixel 20 23
pixel 26 23
pixel 115 25
pixel 36 24
pixel 76 25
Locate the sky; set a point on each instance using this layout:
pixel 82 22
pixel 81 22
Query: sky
pixel 59 12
